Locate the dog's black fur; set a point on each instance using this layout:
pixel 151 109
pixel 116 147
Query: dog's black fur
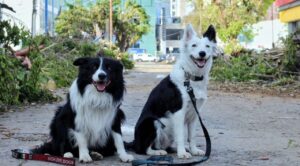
pixel 164 97
pixel 64 118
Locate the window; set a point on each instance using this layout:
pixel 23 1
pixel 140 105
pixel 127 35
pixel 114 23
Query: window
pixel 174 34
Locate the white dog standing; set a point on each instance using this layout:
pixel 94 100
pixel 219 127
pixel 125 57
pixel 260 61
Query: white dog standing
pixel 168 110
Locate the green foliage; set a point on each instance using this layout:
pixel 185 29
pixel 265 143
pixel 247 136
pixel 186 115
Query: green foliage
pixel 130 22
pixel 126 62
pixel 60 69
pixel 9 80
pixel 59 58
pixel 52 63
pixel 30 85
pixel 21 85
pixel 243 68
pixel 231 18
pixel 87 49
pixel 16 83
pixel 291 61
pixel 282 81
pixel 248 66
pixel 111 50
pixel 9 34
pixel 74 20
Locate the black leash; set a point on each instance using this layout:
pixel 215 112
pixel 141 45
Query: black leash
pixel 168 160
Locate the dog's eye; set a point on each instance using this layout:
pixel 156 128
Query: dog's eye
pixel 207 46
pixel 194 45
pixel 108 67
pixel 95 67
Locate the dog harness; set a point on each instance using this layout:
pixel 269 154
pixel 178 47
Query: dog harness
pixel 168 160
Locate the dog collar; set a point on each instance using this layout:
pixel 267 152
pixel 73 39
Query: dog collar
pixel 189 76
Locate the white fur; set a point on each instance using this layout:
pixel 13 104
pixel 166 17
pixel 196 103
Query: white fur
pixel 98 71
pixel 120 148
pixel 152 152
pixel 95 113
pixel 186 117
pixel 68 155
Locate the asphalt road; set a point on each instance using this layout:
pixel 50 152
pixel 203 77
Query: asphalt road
pixel 246 129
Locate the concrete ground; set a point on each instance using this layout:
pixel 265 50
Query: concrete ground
pixel 245 129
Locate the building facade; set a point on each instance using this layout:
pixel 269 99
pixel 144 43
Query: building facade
pixel 39 23
pixel 289 12
pixel 169 25
pixel 148 41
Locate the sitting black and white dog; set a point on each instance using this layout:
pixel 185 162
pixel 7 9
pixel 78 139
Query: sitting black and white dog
pixel 91 119
pixel 168 110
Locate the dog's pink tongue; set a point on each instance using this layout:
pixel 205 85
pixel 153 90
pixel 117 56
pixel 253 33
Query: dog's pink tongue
pixel 201 62
pixel 101 87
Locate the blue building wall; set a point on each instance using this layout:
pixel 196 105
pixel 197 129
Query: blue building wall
pixel 148 41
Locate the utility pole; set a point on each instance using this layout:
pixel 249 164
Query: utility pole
pixel 46 17
pixel 0 12
pixel 52 20
pixel 110 21
pixel 33 23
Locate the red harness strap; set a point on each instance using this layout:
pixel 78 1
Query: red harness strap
pixel 21 154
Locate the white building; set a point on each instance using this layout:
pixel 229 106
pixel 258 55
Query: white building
pixel 267 33
pixel 24 14
pixel 171 13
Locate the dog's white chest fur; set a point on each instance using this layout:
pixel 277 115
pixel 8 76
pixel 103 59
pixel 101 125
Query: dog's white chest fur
pixel 95 114
pixel 199 87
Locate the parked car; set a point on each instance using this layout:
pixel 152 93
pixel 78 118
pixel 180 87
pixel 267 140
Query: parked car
pixel 162 58
pixel 144 57
pixel 170 58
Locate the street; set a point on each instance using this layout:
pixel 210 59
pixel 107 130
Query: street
pixel 245 129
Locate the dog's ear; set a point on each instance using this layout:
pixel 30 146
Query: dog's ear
pixel 189 33
pixel 80 61
pixel 210 34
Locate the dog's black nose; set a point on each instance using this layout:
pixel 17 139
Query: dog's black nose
pixel 202 54
pixel 102 76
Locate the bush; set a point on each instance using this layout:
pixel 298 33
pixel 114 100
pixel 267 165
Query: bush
pixel 113 51
pixel 20 85
pixel 9 80
pixel 16 83
pixel 87 49
pixel 53 63
pixel 291 61
pixel 243 68
pixel 64 72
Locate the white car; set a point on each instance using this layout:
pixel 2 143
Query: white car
pixel 144 57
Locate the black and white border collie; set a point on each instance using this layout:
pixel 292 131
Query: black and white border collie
pixel 90 121
pixel 168 110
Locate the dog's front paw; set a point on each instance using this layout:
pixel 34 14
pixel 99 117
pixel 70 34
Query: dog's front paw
pixel 156 152
pixel 197 152
pixel 160 152
pixel 96 156
pixel 126 157
pixel 68 155
pixel 184 155
pixel 85 158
